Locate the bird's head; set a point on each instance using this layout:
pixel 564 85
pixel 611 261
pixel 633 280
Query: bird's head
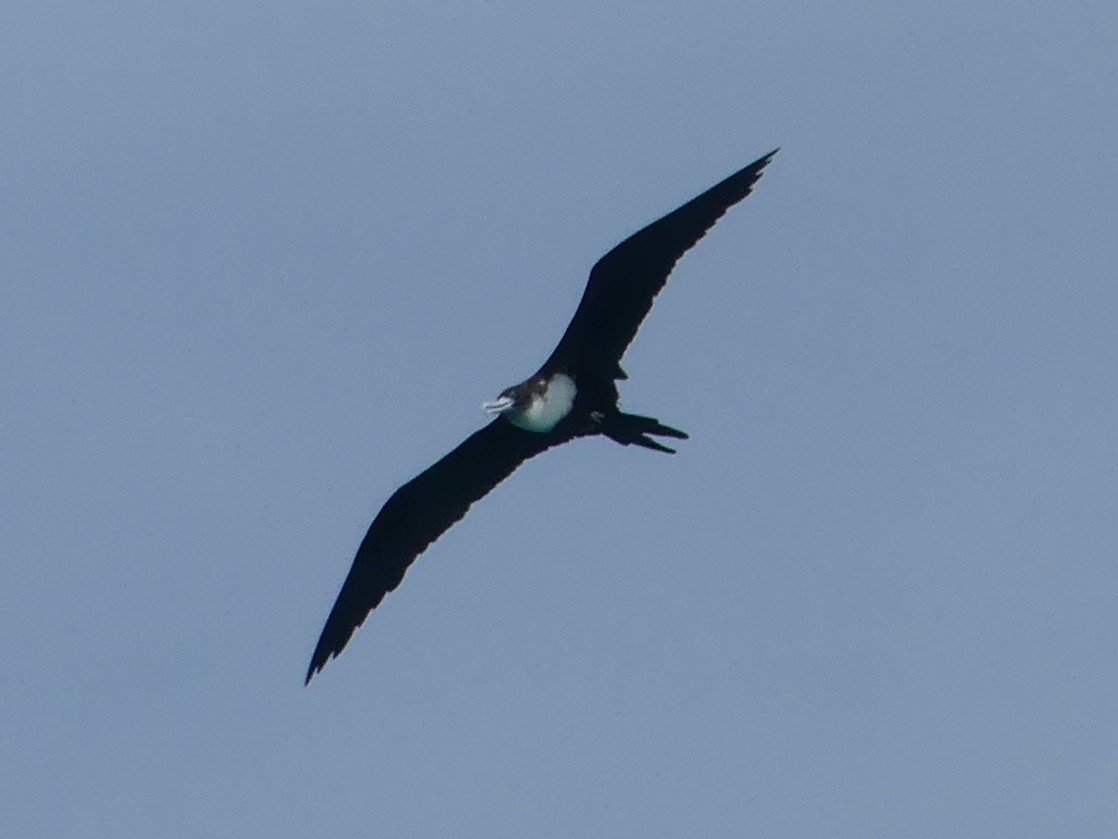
pixel 515 398
pixel 538 404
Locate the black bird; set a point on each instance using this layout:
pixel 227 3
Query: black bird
pixel 574 394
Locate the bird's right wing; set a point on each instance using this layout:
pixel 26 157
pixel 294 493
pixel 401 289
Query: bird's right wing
pixel 415 516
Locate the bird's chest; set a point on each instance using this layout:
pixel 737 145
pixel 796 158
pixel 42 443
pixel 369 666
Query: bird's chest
pixel 547 407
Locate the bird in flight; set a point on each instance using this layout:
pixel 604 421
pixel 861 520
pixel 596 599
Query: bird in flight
pixel 574 394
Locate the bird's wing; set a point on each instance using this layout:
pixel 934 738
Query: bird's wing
pixel 416 515
pixel 626 280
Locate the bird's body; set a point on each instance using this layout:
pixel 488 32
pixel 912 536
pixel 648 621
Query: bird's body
pixel 574 394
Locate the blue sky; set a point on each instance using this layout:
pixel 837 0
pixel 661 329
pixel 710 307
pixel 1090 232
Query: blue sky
pixel 262 262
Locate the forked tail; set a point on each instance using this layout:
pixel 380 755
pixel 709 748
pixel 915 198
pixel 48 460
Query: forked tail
pixel 629 429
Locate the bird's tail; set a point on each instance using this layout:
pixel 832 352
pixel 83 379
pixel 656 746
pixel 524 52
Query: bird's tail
pixel 629 429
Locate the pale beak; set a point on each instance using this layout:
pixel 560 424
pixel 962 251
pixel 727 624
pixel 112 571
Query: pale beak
pixel 498 406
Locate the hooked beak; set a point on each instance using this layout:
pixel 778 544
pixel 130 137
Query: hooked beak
pixel 498 406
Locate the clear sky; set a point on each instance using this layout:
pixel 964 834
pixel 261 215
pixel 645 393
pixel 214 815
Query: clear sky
pixel 261 262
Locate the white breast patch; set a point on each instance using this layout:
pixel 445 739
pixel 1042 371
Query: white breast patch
pixel 548 410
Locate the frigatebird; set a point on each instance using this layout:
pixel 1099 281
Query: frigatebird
pixel 574 394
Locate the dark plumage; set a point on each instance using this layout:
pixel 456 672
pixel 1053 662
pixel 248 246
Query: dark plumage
pixel 574 394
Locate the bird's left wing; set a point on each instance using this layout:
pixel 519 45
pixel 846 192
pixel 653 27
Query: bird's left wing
pixel 626 280
pixel 415 516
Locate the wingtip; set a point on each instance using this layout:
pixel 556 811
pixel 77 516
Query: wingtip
pixel 318 661
pixel 754 170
